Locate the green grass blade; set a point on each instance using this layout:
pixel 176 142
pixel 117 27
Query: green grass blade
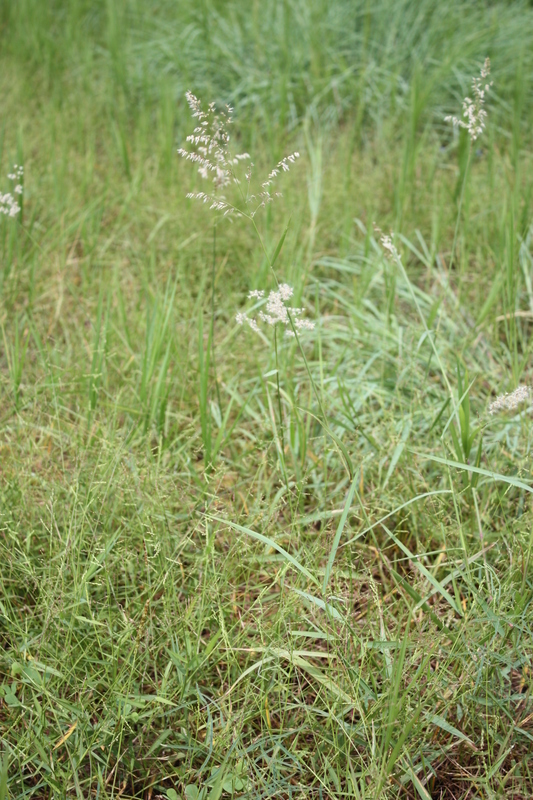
pixel 421 568
pixel 327 607
pixel 338 534
pixel 271 543
pixel 4 793
pixel 496 476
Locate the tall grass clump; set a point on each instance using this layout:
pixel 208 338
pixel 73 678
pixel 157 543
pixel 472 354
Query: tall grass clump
pixel 265 400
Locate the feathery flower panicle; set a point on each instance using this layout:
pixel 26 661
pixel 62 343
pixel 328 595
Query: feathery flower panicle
pixel 283 166
pixel 8 202
pixel 265 196
pixel 389 246
pixel 387 243
pixel 211 151
pixel 473 111
pixel 210 140
pixel 508 402
pixel 277 312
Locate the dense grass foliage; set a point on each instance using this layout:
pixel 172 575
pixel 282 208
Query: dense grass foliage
pixel 238 566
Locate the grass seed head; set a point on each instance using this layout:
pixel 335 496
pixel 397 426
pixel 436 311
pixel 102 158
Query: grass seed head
pixel 277 312
pixel 508 402
pixel 210 140
pixel 387 243
pixel 211 151
pixel 473 109
pixel 8 202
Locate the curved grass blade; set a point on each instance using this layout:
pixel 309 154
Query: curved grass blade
pixel 390 514
pixel 441 723
pixel 271 543
pixel 421 568
pixel 280 245
pixel 496 476
pixel 327 607
pixel 315 673
pixel 339 446
pixel 338 534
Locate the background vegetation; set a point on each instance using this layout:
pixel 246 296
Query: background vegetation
pixel 376 641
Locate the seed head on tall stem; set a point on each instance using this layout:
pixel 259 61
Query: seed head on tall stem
pixel 473 109
pixel 277 312
pixel 211 150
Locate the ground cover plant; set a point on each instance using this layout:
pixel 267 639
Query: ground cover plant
pixel 235 562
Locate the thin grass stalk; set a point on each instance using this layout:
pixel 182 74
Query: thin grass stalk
pixel 281 426
pixel 338 444
pixel 213 348
pixel 205 423
pixel 405 276
pixel 282 432
pixel 459 209
pixel 343 454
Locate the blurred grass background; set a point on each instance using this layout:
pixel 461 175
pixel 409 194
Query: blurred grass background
pixel 149 649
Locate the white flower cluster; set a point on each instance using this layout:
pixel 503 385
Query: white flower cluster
pixel 473 110
pixel 277 312
pixel 508 402
pixel 210 140
pixel 388 245
pixel 8 201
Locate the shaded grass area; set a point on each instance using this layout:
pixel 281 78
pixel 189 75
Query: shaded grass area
pixel 336 609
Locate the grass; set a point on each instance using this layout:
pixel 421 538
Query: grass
pixel 331 604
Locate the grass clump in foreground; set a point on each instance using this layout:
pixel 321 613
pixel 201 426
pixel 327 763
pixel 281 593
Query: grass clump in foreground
pixel 235 563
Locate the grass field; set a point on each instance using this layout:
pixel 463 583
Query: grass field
pixel 239 564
